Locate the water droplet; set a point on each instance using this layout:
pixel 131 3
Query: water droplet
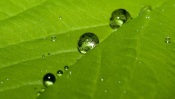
pixel 147 17
pixel 48 54
pixel 102 79
pixel 106 91
pixel 53 38
pixel 43 56
pixel 119 82
pixel 86 42
pixel 66 68
pixel 59 73
pixel 7 79
pixel 167 40
pixel 2 82
pixel 60 17
pixel 118 18
pixel 145 9
pixel 48 79
pixel 43 89
pixel 38 94
pixel 70 72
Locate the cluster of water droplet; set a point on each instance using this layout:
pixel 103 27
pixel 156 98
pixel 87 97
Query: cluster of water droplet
pixel 49 79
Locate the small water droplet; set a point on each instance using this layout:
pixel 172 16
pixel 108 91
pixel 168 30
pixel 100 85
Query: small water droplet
pixel 48 79
pixel 66 68
pixel 119 82
pixel 118 18
pixel 43 56
pixel 2 82
pixel 53 38
pixel 48 54
pixel 7 79
pixel 147 17
pixel 86 42
pixel 60 17
pixel 167 40
pixel 70 72
pixel 43 89
pixel 59 73
pixel 38 94
pixel 145 9
pixel 106 91
pixel 102 79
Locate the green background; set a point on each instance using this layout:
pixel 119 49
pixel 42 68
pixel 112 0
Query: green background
pixel 133 62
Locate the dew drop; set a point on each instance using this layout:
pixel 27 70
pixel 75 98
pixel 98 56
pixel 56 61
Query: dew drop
pixel 7 79
pixel 145 9
pixel 59 73
pixel 167 40
pixel 48 54
pixel 43 89
pixel 101 79
pixel 86 42
pixel 43 56
pixel 105 91
pixel 2 82
pixel 48 79
pixel 53 38
pixel 60 17
pixel 38 94
pixel 118 18
pixel 66 68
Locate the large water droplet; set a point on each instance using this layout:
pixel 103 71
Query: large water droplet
pixel 118 18
pixel 66 68
pixel 53 38
pixel 59 73
pixel 167 40
pixel 87 42
pixel 48 79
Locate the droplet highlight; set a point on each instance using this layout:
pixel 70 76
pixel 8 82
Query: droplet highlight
pixel 49 79
pixel 59 73
pixel 86 42
pixel 66 68
pixel 118 18
pixel 167 40
pixel 53 38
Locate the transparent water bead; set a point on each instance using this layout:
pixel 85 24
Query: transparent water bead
pixel 49 79
pixel 66 68
pixel 145 9
pixel 86 42
pixel 118 18
pixel 53 38
pixel 59 73
pixel 60 17
pixel 167 40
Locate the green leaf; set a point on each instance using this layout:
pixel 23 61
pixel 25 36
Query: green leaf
pixel 133 62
